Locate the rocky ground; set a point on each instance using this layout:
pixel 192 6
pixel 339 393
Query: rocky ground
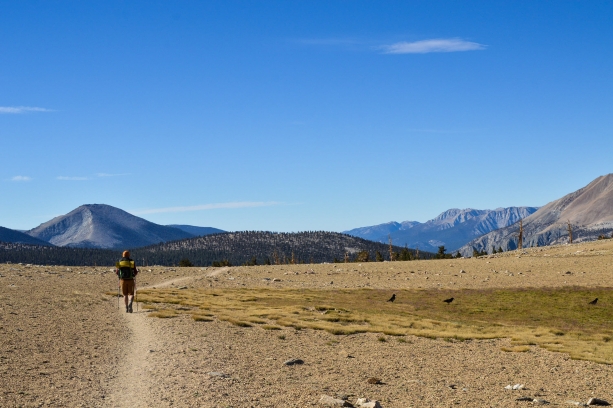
pixel 64 342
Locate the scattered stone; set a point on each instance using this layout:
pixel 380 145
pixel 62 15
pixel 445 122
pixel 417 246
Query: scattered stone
pixel 152 351
pixel 366 403
pixel 183 288
pixel 462 271
pixel 334 402
pixel 344 397
pixel 518 386
pixel 597 401
pixel 218 374
pixel 293 361
pixel 276 280
pixel 538 401
pixel 576 403
pixel 452 386
pixel 524 399
pixel 508 387
pixel 374 380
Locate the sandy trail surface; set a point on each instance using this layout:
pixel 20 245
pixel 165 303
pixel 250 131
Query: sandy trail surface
pixel 131 387
pixel 138 379
pixel 64 343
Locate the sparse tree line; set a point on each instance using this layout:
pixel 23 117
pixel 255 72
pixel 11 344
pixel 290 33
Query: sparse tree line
pixel 225 249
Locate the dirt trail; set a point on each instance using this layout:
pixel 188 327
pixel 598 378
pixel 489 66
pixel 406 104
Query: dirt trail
pixel 217 271
pixel 136 380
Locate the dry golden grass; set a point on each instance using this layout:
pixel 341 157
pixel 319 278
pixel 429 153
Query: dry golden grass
pixel 558 319
pixel 164 313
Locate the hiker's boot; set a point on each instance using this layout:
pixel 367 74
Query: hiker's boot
pixel 127 309
pixel 130 307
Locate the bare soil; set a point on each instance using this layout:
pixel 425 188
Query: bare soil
pixel 64 342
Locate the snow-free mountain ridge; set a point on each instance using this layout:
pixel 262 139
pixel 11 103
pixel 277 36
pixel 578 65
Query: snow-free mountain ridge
pixel 197 231
pixel 104 226
pixel 589 210
pixel 18 237
pixel 452 228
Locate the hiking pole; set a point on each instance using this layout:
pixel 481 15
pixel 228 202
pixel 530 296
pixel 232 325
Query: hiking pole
pixel 118 289
pixel 135 295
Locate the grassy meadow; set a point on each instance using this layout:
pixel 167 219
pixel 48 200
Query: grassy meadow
pixel 558 319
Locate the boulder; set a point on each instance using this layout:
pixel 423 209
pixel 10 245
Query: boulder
pixel 334 402
pixel 366 403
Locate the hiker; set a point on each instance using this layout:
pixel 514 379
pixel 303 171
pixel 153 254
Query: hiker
pixel 126 271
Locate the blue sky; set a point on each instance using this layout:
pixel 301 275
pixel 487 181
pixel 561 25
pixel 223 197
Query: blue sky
pixel 289 116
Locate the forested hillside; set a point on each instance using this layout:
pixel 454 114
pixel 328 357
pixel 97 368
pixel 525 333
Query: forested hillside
pixel 237 248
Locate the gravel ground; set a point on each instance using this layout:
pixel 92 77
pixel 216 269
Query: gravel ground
pixel 65 343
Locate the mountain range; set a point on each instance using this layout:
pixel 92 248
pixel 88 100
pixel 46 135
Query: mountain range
pixel 9 235
pixel 452 228
pixel 589 211
pixel 104 226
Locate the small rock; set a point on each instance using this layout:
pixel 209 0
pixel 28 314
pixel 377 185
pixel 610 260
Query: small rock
pixel 276 280
pixel 366 403
pixel 334 402
pixel 452 386
pixel 508 387
pixel 218 374
pixel 538 401
pixel 183 287
pixel 293 361
pixel 518 386
pixel 462 271
pixel 152 351
pixel 597 401
pixel 524 399
pixel 576 403
pixel 374 380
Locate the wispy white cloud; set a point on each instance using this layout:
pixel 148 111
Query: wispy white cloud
pixel 22 109
pixel 241 204
pixel 21 178
pixel 72 178
pixel 434 45
pixel 111 175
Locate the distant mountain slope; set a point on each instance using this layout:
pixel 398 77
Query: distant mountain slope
pixel 240 247
pixel 589 210
pixel 9 235
pixel 236 247
pixel 453 228
pixel 197 231
pixel 103 226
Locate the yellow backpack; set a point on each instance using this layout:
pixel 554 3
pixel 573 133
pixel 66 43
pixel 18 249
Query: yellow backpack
pixel 126 268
